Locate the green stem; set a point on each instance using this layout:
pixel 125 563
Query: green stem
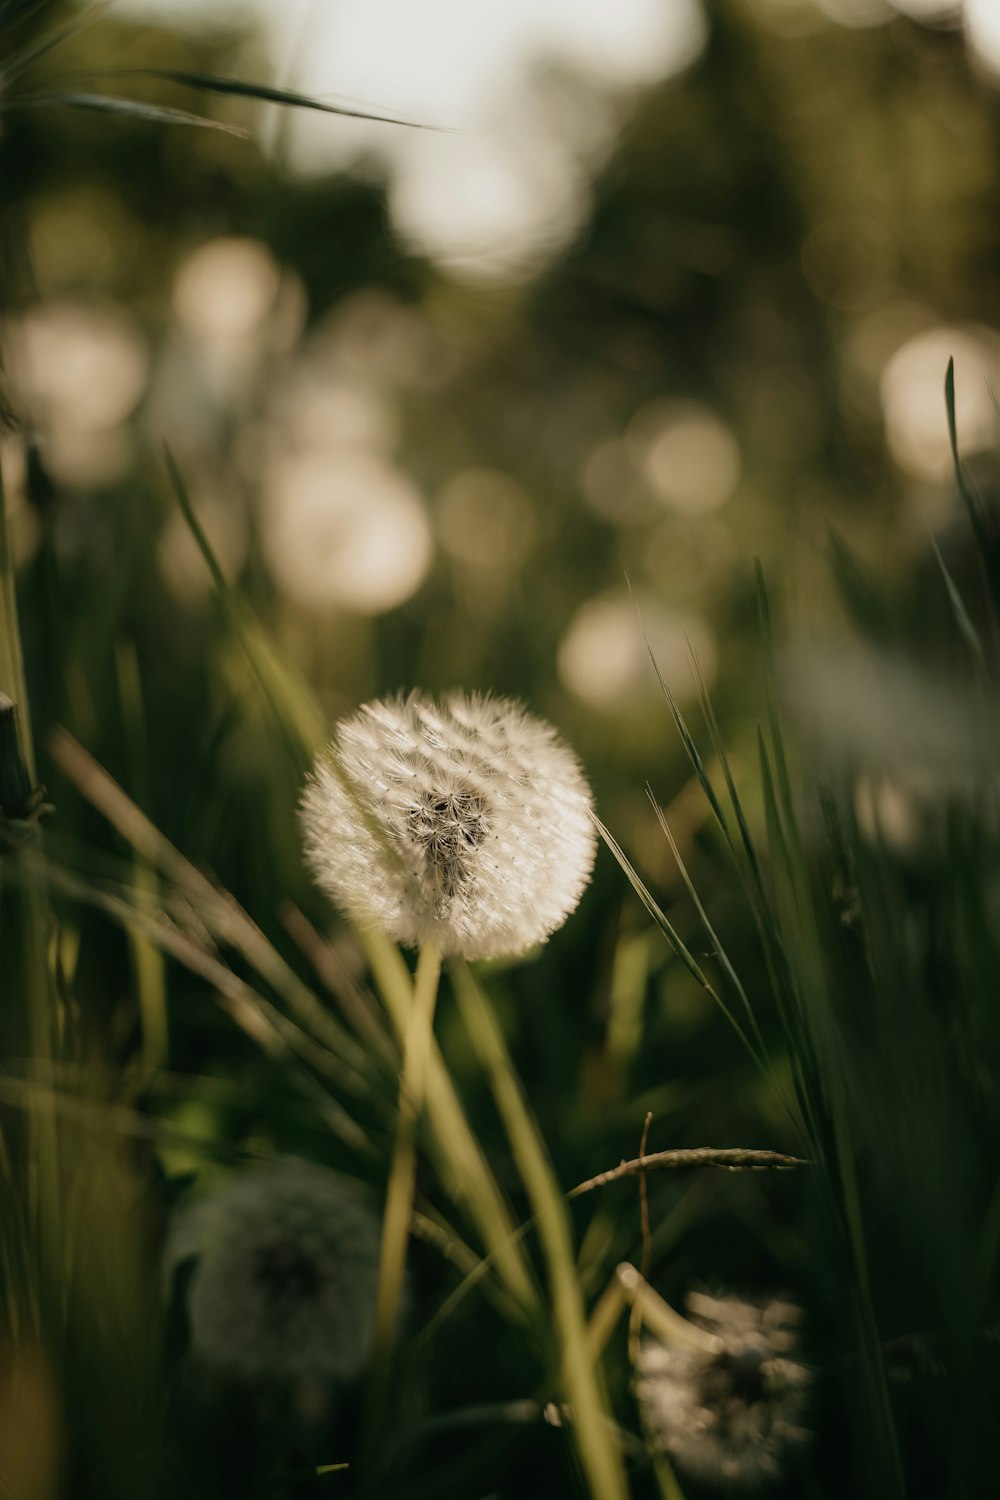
pixel 591 1418
pixel 459 1157
pixel 30 925
pixel 402 1176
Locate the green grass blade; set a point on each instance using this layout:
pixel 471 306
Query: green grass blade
pixel 986 538
pixel 671 934
pixel 962 617
pixel 112 104
pixel 49 40
pixel 300 723
pixel 276 1036
pixel 782 778
pixel 599 1454
pixel 214 907
pixel 713 936
pixel 268 94
pixel 148 968
pixel 461 1161
pixel 719 747
pixel 687 740
pixel 401 1190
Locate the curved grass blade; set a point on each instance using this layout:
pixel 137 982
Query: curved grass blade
pixel 261 1022
pixel 599 1456
pixel 297 717
pixel 985 534
pixel 755 889
pixel 687 740
pixel 713 936
pixel 672 936
pixel 783 781
pixel 161 114
pixel 962 617
pixel 266 93
pixel 51 39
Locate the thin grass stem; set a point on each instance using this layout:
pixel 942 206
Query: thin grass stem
pixel 401 1188
pixel 599 1455
pixel 460 1159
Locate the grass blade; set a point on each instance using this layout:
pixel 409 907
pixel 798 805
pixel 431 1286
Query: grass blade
pixel 51 39
pixel 687 740
pixel 264 92
pixel 401 1189
pixel 962 617
pixel 713 936
pixel 599 1455
pixel 986 537
pixel 298 719
pixel 160 114
pixel 460 1159
pixel 671 934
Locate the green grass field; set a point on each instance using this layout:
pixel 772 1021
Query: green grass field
pixel 658 1157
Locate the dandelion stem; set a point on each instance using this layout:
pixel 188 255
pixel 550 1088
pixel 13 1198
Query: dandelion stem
pixel 599 1456
pixel 461 1161
pixel 402 1175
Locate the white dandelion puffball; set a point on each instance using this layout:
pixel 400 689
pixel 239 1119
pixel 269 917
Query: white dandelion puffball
pixel 466 823
pixel 727 1415
pixel 285 1279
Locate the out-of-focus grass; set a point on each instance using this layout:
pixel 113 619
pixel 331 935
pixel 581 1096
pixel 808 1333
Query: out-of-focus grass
pixel 881 1104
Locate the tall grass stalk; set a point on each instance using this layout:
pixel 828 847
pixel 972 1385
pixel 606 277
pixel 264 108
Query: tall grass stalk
pixel 28 987
pixel 401 1186
pixel 583 1386
pixel 459 1157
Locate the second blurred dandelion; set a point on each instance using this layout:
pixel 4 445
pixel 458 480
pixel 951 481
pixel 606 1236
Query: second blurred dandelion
pixel 727 1413
pixel 284 1282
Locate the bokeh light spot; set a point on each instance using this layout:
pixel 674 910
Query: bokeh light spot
pixel 345 530
pixel 912 392
pixel 688 455
pixel 604 656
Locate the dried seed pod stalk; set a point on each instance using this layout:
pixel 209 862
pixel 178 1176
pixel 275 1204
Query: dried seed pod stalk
pixel 466 824
pixel 728 1412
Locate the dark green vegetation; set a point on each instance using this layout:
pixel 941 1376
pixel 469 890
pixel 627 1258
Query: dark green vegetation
pixel 168 1013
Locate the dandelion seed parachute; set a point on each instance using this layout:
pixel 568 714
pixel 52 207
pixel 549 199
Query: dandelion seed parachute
pixel 285 1276
pixel 466 824
pixel 727 1417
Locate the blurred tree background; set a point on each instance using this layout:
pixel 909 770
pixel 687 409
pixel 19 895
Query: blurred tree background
pixel 419 468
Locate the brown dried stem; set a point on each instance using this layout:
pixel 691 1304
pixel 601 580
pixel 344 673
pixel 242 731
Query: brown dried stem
pixel 723 1158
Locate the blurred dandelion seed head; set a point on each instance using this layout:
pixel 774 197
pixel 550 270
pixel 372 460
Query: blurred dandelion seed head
pixel 729 1416
pixel 467 823
pixel 287 1265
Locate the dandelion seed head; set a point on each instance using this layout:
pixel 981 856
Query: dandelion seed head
pixel 728 1416
pixel 466 823
pixel 285 1278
